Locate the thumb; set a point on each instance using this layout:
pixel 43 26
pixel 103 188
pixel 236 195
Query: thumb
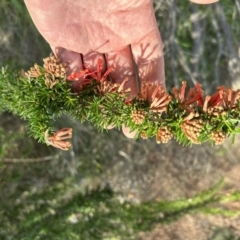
pixel 72 59
pixel 204 1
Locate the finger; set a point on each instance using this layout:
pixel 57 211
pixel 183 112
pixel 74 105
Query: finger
pixel 204 1
pixel 126 131
pixel 72 59
pixel 92 60
pixel 148 55
pixel 123 67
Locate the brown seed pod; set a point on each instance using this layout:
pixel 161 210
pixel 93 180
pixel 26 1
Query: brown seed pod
pixel 216 111
pixel 218 137
pixel 105 87
pixel 144 135
pixel 192 129
pixel 53 66
pixel 34 71
pixel 163 135
pixel 58 139
pixel 138 116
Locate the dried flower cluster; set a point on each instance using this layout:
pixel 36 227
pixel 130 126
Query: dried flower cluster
pixel 216 111
pixel 192 129
pixel 163 135
pixel 217 105
pixel 144 135
pixel 105 87
pixel 34 72
pixel 58 139
pixel 138 116
pixel 54 67
pixel 218 137
pixel 156 96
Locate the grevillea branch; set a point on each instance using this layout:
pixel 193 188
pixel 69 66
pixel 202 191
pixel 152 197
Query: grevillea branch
pixel 44 93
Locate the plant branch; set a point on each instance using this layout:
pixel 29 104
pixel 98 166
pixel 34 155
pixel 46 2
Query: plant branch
pixel 16 160
pixel 187 115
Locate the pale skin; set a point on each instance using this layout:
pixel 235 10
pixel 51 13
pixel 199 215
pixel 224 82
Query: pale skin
pixel 117 31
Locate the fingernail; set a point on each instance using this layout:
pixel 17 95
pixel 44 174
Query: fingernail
pixel 129 134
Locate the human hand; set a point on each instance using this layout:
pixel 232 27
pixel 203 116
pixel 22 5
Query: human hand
pixel 103 27
pixel 80 32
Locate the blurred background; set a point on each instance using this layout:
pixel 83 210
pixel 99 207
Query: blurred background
pixel 108 186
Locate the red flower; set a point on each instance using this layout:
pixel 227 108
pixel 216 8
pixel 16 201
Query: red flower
pixel 88 72
pixel 156 96
pixel 225 98
pixel 230 97
pixel 84 77
pixel 109 87
pixel 195 95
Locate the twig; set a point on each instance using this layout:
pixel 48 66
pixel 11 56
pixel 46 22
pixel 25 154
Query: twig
pixel 197 40
pixel 15 160
pixel 158 5
pixel 234 62
pixel 226 30
pixel 172 42
pixel 183 62
pixel 238 5
pixel 220 48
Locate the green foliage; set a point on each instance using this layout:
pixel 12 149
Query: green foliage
pixel 223 234
pixel 41 117
pixel 59 213
pixel 40 104
pixel 33 102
